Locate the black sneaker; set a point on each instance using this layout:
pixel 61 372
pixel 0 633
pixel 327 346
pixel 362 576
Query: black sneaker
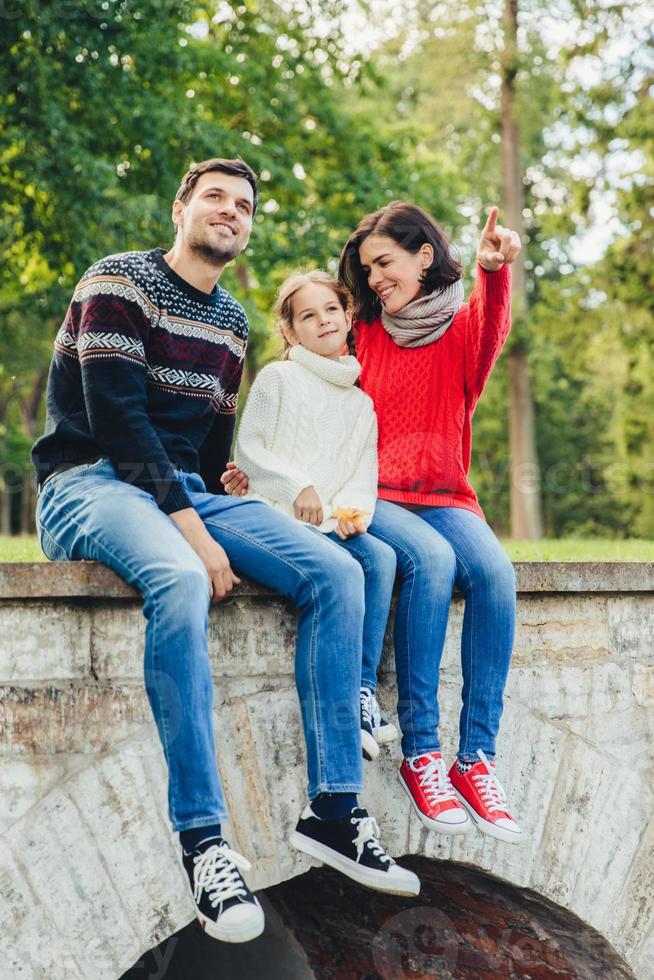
pixel 383 731
pixel 351 845
pixel 369 745
pixel 224 904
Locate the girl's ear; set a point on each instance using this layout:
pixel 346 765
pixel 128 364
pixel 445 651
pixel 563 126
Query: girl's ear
pixel 289 336
pixel 427 254
pixel 348 319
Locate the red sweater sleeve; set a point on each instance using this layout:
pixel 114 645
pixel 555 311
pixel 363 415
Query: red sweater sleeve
pixel 487 327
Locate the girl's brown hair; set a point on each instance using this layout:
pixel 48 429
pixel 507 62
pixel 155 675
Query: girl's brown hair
pixel 283 307
pixel 410 227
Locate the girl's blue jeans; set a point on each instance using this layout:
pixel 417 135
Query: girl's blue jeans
pixel 438 548
pixel 88 512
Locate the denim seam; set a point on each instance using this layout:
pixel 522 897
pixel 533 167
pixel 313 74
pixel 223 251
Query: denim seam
pixel 211 522
pixel 473 644
pixel 336 788
pixel 57 546
pixel 199 824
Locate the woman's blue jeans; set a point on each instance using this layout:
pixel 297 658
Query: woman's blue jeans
pixel 88 512
pixel 438 548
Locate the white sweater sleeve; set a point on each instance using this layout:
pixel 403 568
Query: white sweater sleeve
pixel 360 491
pixel 268 474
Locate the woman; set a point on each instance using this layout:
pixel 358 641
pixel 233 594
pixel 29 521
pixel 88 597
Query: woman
pixel 426 357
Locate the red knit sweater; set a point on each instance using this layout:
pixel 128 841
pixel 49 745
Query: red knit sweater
pixel 425 397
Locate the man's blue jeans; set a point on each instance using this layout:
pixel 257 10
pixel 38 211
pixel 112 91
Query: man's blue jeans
pixel 437 548
pixel 88 512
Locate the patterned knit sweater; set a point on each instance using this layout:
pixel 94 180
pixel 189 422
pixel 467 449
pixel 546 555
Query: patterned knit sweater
pixel 146 370
pixel 425 397
pixel 306 424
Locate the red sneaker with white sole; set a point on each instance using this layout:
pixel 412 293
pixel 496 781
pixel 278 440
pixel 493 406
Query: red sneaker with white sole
pixel 425 779
pixel 481 793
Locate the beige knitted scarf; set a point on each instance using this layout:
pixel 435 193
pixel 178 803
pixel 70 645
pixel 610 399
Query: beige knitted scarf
pixel 424 320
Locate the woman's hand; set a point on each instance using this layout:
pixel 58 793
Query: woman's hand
pixel 235 481
pixel 307 507
pixel 498 246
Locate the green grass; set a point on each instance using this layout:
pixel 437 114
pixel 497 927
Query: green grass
pixel 569 549
pixel 580 549
pixel 23 548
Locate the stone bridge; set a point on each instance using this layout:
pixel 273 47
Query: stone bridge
pixel 89 873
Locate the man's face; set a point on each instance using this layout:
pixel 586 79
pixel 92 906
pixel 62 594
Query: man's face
pixel 216 222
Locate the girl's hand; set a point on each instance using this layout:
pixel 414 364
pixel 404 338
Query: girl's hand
pixel 498 246
pixel 235 481
pixel 347 529
pixel 307 507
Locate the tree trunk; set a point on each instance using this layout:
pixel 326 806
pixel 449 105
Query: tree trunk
pixel 5 512
pixel 526 504
pixel 526 523
pixel 28 507
pixel 29 413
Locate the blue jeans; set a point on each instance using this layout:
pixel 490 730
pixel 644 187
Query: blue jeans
pixel 437 548
pixel 88 512
pixel 379 567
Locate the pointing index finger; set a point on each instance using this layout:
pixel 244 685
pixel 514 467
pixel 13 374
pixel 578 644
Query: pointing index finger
pixel 491 221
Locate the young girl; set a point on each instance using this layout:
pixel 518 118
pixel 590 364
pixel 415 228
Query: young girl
pixel 308 441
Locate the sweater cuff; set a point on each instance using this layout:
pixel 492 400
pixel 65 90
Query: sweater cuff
pixel 175 498
pixel 495 284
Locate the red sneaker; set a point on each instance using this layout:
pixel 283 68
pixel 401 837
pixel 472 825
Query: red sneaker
pixel 482 795
pixel 425 779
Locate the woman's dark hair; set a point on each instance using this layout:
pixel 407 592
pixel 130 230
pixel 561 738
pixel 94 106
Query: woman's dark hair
pixel 410 227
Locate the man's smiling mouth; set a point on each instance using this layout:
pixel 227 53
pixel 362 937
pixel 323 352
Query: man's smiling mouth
pixel 222 224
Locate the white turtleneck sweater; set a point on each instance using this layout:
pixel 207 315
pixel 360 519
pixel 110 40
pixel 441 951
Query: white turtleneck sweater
pixel 305 424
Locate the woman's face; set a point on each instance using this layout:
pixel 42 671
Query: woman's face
pixel 393 273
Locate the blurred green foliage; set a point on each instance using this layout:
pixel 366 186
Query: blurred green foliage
pixel 104 104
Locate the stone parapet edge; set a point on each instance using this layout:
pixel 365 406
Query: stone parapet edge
pixel 92 580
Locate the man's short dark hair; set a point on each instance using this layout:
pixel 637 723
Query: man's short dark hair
pixel 237 168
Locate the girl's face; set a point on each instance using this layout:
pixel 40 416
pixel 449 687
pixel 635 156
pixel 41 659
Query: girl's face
pixel 319 321
pixel 393 273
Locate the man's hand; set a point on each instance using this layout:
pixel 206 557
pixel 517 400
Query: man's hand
pixel 235 481
pixel 498 246
pixel 307 507
pixel 221 577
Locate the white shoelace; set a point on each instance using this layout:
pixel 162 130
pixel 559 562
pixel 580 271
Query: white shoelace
pixel 376 713
pixel 367 830
pixel 367 706
pixel 490 788
pixel 216 872
pixel 434 780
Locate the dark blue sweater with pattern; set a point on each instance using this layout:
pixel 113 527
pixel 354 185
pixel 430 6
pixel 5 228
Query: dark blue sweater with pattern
pixel 146 370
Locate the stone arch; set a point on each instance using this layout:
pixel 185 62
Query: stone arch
pixel 465 925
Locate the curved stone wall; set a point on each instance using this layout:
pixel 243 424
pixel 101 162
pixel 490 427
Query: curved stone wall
pixel 89 873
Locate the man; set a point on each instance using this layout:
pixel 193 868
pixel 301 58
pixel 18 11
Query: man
pixel 142 397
